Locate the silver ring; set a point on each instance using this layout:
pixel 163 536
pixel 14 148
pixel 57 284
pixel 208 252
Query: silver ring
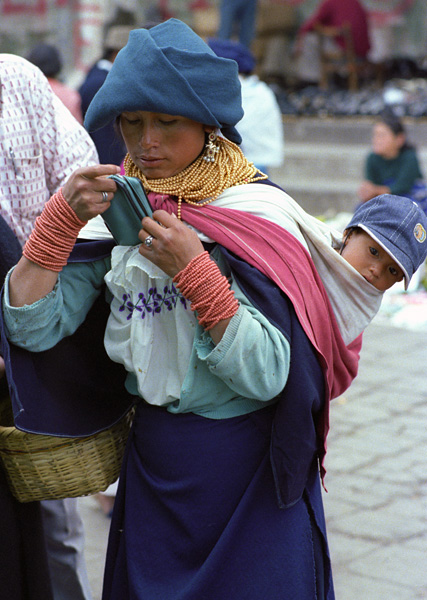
pixel 148 241
pixel 104 196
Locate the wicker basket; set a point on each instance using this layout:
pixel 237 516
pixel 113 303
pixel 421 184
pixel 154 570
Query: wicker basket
pixel 43 467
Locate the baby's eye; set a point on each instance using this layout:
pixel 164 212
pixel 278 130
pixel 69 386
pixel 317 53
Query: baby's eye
pixel 373 251
pixel 393 271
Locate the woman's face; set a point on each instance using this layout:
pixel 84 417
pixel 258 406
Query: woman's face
pixel 385 142
pixel 161 145
pixel 371 260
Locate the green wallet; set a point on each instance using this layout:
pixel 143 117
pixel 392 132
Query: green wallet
pixel 128 207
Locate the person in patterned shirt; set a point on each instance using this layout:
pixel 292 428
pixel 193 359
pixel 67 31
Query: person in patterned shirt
pixel 40 146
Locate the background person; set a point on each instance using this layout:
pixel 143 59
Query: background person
pixel 24 570
pixel 109 146
pixel 261 126
pixel 238 18
pixel 48 59
pixel 40 146
pixel 226 445
pixel 392 167
pixel 330 13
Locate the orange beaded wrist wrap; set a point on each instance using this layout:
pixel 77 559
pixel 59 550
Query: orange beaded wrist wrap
pixel 208 290
pixel 54 234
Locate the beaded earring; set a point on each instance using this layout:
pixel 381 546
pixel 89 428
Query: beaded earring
pixel 211 148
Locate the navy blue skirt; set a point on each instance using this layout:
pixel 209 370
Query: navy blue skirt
pixel 196 516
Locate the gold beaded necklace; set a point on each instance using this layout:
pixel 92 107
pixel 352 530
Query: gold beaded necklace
pixel 204 180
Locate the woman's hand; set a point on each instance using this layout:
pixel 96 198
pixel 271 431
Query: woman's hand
pixel 173 245
pixel 368 190
pixel 89 191
pixel 83 191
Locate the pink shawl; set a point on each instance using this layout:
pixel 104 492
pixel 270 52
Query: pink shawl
pixel 280 256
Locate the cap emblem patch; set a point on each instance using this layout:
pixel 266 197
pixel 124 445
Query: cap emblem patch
pixel 420 233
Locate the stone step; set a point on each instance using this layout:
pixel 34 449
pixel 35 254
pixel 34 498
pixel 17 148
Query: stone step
pixel 327 130
pixel 346 130
pixel 306 161
pixel 345 164
pixel 318 195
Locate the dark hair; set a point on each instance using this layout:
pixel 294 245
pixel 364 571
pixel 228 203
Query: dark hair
pixel 348 231
pixel 117 130
pixel 108 54
pixel 392 121
pixel 47 58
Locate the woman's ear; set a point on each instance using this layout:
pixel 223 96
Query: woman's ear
pixel 208 128
pixel 401 139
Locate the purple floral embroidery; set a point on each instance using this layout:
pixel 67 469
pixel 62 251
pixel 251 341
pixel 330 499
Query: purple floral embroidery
pixel 154 303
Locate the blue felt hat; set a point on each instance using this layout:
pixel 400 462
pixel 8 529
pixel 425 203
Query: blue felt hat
pixel 236 51
pixel 169 69
pixel 398 225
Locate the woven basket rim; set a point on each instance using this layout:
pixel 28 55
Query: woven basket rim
pixel 6 431
pixel 42 467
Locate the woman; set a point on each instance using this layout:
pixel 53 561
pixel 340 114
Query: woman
pixel 229 341
pixel 392 167
pixel 47 58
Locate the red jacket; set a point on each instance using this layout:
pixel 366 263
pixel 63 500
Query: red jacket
pixel 335 13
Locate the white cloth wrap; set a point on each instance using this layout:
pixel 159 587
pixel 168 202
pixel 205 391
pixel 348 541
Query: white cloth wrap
pixel 160 341
pixel 354 300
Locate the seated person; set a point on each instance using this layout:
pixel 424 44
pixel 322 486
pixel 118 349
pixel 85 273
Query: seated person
pixel 392 167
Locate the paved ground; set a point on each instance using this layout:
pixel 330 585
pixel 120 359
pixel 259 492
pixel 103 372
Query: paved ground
pixel 376 505
pixel 377 474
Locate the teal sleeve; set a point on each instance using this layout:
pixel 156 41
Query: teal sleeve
pixel 371 171
pixel 245 371
pixel 253 356
pixel 407 173
pixel 42 325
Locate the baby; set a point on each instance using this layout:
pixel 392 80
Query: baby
pixel 386 240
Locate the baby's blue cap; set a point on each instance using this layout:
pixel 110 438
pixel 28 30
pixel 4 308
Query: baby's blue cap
pixel 398 225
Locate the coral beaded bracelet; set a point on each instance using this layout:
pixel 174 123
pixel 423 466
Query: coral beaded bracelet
pixel 208 290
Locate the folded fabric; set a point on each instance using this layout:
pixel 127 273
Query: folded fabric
pixel 169 69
